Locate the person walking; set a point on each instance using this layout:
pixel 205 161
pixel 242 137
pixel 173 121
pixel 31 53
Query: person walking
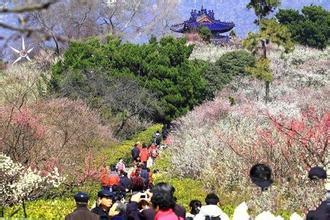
pixel 105 202
pixel 211 210
pixel 81 212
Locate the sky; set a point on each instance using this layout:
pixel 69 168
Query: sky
pixel 225 10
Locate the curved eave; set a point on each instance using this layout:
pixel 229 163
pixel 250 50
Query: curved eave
pixel 218 27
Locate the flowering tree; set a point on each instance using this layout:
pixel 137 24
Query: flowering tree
pixel 51 133
pixel 19 183
pixel 219 141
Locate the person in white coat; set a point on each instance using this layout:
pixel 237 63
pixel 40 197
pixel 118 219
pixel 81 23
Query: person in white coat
pixel 211 210
pixel 241 212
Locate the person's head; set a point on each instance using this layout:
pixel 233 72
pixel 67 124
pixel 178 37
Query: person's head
pixel 195 206
pixel 144 145
pixel 317 173
pixel 121 160
pixel 124 174
pixel 81 199
pixel 211 199
pixel 162 200
pixel 165 187
pixel 105 198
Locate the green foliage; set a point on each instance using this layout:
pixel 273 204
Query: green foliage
pixel 270 31
pixel 311 27
pixel 161 67
pixel 225 69
pixel 261 70
pixel 43 209
pixel 262 8
pixel 205 34
pixel 163 162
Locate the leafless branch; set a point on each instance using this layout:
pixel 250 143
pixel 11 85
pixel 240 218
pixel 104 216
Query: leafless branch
pixel 31 8
pixel 31 30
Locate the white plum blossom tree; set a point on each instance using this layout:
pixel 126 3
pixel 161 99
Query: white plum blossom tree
pixel 19 183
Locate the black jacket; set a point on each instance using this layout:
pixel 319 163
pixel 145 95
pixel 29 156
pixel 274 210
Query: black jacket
pixel 321 213
pixel 135 153
pixel 82 213
pixel 99 211
pixel 148 214
pixel 125 182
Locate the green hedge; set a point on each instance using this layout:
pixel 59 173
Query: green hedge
pixel 43 209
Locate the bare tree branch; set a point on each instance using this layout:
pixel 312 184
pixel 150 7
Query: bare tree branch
pixel 31 30
pixel 31 8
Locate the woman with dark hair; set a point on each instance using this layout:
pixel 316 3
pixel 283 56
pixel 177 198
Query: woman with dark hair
pixel 167 188
pixel 163 204
pixel 195 206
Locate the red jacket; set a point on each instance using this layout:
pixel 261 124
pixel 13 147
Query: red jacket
pixel 144 155
pixel 104 177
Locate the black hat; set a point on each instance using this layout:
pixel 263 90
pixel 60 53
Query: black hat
pixel 260 175
pixel 81 197
pixel 316 173
pixel 105 193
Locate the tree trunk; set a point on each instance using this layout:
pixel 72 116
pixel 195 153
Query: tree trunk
pixel 264 49
pixel 267 90
pixel 57 50
pixel 24 210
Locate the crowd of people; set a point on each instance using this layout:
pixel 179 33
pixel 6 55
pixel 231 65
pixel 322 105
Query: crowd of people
pixel 157 203
pixel 130 193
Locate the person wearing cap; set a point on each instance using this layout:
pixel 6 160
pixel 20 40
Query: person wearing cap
pixel 105 203
pixel 81 212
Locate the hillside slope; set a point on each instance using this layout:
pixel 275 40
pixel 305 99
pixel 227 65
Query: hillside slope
pixel 220 140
